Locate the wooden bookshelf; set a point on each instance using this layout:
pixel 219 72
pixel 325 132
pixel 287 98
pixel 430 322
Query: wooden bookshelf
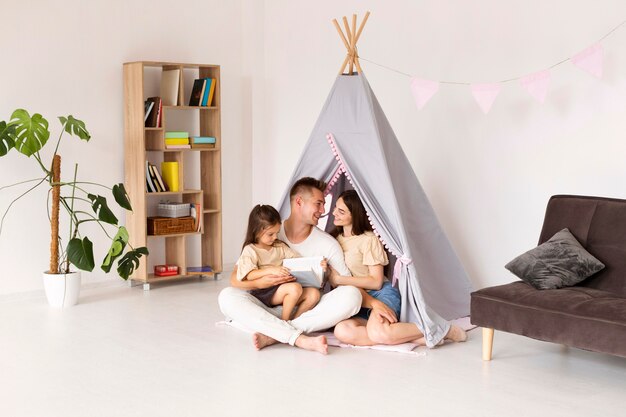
pixel 148 144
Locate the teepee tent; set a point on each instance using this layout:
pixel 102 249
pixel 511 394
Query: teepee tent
pixel 353 140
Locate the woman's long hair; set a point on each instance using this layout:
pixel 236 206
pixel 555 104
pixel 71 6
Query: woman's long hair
pixel 261 217
pixel 360 223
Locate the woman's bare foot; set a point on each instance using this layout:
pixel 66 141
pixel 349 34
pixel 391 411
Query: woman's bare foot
pixel 456 334
pixel 260 341
pixel 316 344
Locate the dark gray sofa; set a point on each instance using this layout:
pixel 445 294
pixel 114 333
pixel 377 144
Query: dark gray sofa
pixel 590 315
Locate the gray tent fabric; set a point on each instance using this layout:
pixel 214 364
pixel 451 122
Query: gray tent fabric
pixel 353 137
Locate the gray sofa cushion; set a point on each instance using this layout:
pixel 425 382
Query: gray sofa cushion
pixel 559 262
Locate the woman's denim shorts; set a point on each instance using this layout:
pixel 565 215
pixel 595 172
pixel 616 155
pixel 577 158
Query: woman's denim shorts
pixel 388 295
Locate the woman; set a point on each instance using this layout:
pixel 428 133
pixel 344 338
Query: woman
pixel 377 322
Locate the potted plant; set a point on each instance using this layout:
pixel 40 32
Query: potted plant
pixel 28 135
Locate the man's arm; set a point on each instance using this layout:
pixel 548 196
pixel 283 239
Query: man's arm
pixel 336 259
pixel 266 281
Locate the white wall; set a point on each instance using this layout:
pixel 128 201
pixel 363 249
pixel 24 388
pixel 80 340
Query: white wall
pixel 65 57
pixel 488 176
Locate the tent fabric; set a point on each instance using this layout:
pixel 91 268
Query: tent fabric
pixel 353 138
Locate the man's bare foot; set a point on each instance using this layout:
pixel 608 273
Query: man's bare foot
pixel 260 341
pixel 316 344
pixel 456 334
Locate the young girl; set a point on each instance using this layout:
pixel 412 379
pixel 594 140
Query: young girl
pixel 377 322
pixel 262 255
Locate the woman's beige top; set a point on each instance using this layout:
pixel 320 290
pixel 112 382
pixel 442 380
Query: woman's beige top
pixel 361 251
pixel 253 257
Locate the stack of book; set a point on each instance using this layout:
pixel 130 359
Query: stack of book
pixel 202 92
pixel 154 181
pixel 153 109
pixel 177 140
pixel 202 142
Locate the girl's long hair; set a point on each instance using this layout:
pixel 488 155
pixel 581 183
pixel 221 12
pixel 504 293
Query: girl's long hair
pixel 261 217
pixel 360 223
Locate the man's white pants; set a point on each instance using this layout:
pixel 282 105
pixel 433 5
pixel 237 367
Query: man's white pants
pixel 337 305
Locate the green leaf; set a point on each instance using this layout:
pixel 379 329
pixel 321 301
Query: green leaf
pixel 80 254
pixel 6 137
pixel 100 207
pixel 75 127
pixel 130 262
pixel 119 192
pixel 117 247
pixel 31 133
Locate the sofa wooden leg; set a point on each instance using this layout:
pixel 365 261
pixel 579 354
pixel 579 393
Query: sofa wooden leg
pixel 487 343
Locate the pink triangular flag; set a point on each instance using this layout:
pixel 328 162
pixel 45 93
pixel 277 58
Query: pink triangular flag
pixel 485 95
pixel 590 60
pixel 423 90
pixel 537 84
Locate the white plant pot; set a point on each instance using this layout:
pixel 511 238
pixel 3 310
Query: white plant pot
pixel 62 289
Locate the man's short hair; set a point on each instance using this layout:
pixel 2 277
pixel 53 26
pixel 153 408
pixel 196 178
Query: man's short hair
pixel 306 185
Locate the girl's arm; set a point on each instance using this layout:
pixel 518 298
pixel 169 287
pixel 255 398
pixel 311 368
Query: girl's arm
pixel 258 284
pixel 374 281
pixel 260 273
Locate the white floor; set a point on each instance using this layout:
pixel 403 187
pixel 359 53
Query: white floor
pixel 126 352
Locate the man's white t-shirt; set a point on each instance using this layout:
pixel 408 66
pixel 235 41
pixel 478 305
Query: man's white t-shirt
pixel 319 243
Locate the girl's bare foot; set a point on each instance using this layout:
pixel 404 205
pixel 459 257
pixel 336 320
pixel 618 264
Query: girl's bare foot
pixel 316 344
pixel 456 334
pixel 260 341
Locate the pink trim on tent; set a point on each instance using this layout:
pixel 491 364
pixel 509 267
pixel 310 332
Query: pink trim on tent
pixel 400 259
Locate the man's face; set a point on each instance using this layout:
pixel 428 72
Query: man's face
pixel 312 207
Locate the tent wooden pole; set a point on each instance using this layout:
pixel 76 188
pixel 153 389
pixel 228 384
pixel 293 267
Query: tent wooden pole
pixel 343 38
pixel 343 66
pixel 353 42
pixel 349 36
pixel 358 34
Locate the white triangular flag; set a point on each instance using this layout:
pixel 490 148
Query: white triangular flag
pixel 485 94
pixel 590 60
pixel 423 90
pixel 537 84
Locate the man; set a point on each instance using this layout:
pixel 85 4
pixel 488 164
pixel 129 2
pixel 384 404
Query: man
pixel 299 231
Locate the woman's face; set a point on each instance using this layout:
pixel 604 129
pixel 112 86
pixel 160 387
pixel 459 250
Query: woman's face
pixel 342 214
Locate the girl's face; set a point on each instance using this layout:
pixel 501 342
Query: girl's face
pixel 269 235
pixel 342 214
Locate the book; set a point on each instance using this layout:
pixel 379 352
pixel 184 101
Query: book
pixel 202 145
pixel 196 213
pixel 153 178
pixel 149 184
pixel 199 270
pixel 147 107
pixel 177 141
pixel 307 271
pixel 176 135
pixel 169 172
pixel 187 146
pixel 152 119
pixel 165 270
pixel 159 122
pixel 213 86
pixel 159 179
pixel 207 91
pixel 201 139
pixel 197 92
pixel 170 81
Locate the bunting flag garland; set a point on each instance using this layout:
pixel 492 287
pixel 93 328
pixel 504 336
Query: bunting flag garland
pixel 423 90
pixel 536 84
pixel 485 95
pixel 590 60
